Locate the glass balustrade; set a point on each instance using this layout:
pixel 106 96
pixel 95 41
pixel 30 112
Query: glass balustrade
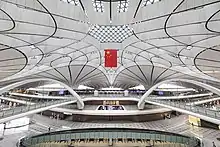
pixel 109 133
pixel 23 109
pixel 111 95
pixel 185 106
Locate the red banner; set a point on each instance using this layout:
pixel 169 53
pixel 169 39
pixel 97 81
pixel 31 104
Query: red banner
pixel 111 58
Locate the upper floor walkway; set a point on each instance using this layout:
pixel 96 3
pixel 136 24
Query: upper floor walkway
pixel 197 111
pixel 130 96
pixel 21 111
pixel 91 109
pixel 204 101
pixel 180 106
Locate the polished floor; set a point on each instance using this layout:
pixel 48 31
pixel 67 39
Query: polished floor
pixel 176 125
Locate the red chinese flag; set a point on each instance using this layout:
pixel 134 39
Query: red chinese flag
pixel 111 58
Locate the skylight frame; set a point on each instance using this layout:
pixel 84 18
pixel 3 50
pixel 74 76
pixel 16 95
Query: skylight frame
pixel 98 6
pixel 111 33
pixel 73 2
pixel 123 6
pixel 149 2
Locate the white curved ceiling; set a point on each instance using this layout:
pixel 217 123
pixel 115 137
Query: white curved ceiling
pixel 66 41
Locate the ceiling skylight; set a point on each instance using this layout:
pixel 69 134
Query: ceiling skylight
pixel 98 5
pixel 149 2
pixel 115 34
pixel 123 6
pixel 73 2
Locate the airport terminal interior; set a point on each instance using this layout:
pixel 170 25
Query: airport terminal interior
pixel 109 73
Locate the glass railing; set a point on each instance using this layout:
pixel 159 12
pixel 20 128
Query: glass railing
pixel 110 134
pixel 195 109
pixel 69 107
pixel 112 95
pixel 139 95
pixel 23 109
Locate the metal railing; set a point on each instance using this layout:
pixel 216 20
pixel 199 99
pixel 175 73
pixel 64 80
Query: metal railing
pixel 112 95
pixel 23 109
pixel 185 106
pixel 110 134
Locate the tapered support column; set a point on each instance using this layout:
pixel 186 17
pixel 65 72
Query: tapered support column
pixel 141 102
pixel 80 102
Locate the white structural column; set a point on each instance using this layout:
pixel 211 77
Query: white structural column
pixel 141 102
pixel 80 103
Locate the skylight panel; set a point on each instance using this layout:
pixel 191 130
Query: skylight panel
pixel 149 2
pixel 123 6
pixel 98 5
pixel 111 33
pixel 73 2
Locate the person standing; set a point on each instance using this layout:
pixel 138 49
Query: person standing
pixel 213 144
pixel 4 129
pixel 202 144
pixel 49 129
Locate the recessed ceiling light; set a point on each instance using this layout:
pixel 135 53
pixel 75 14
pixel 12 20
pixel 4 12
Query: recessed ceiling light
pixel 148 2
pixel 34 57
pixel 189 47
pixel 32 46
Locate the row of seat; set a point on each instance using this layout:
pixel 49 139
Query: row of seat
pixel 97 143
